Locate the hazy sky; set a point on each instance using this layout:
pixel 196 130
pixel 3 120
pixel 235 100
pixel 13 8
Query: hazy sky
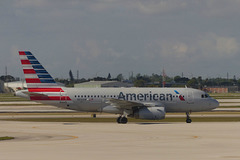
pixel 97 37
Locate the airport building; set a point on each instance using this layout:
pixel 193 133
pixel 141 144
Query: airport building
pixel 17 85
pixel 223 89
pixel 104 84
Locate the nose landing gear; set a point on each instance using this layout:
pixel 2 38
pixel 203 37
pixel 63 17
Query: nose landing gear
pixel 189 120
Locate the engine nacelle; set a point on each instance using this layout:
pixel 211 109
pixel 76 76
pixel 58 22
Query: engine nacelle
pixel 151 113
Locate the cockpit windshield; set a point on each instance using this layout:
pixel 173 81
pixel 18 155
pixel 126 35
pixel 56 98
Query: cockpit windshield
pixel 205 95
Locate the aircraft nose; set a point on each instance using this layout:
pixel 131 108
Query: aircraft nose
pixel 214 104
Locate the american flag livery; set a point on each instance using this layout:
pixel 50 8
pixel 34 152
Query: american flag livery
pixel 180 96
pixel 41 85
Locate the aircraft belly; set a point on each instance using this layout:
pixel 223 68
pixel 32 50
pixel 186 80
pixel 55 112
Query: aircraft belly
pixel 177 108
pixel 186 107
pixel 87 106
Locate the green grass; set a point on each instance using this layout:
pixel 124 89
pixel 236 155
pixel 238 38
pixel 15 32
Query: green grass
pixel 9 97
pixel 23 105
pixel 229 107
pixel 52 113
pixel 225 95
pixel 6 95
pixel 6 138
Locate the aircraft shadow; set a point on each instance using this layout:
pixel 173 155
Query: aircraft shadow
pixel 150 123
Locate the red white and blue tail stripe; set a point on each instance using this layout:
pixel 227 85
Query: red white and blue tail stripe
pixel 40 83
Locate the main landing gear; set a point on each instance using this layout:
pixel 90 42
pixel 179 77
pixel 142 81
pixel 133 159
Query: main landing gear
pixel 122 120
pixel 189 120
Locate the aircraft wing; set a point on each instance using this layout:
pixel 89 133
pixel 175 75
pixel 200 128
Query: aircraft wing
pixel 123 104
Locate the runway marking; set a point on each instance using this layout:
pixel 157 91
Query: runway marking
pixel 74 137
pixel 70 137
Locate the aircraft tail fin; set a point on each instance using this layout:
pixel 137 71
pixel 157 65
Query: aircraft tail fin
pixel 39 81
pixel 35 74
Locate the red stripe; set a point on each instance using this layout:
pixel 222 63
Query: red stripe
pixel 22 53
pixel 181 98
pixel 50 98
pixel 45 90
pixel 33 80
pixel 25 62
pixel 29 71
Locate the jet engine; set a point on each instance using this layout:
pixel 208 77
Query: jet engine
pixel 150 113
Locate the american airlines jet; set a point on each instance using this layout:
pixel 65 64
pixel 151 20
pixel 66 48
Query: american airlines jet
pixel 142 103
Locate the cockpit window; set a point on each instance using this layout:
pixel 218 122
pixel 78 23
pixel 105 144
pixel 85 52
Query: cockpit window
pixel 205 95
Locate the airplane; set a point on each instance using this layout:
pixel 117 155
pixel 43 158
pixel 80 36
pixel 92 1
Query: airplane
pixel 140 103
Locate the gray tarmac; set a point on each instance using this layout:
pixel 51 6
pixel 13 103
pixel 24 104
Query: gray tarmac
pixel 168 141
pixel 90 141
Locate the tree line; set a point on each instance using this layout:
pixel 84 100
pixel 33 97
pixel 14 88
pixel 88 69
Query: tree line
pixel 154 80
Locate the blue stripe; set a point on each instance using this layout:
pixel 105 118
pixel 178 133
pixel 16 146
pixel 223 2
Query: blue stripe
pixel 34 62
pixel 41 71
pixel 37 66
pixel 27 53
pixel 44 76
pixel 47 81
pixel 176 91
pixel 31 57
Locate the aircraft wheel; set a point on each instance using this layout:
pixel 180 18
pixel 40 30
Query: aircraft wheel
pixel 188 117
pixel 189 121
pixel 124 120
pixel 119 119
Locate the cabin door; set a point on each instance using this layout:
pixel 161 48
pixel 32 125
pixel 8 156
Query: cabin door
pixel 63 97
pixel 190 97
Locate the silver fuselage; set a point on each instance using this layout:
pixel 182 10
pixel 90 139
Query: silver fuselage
pixel 173 99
